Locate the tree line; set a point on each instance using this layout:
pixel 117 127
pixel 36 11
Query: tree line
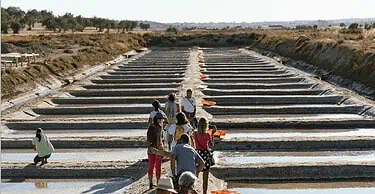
pixel 16 19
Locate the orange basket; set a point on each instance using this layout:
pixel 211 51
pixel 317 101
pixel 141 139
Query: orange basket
pixel 208 103
pixel 225 192
pixel 204 76
pixel 218 133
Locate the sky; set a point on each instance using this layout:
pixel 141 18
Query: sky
pixel 169 11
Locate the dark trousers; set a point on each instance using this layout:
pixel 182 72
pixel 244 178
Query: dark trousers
pixel 193 120
pixel 38 159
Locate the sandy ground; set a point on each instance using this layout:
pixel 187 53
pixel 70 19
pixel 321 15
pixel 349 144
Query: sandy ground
pixel 192 81
pixel 141 186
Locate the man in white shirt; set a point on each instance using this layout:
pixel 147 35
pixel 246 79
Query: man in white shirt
pixel 189 107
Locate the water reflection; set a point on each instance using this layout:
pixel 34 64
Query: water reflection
pixel 41 185
pixel 90 186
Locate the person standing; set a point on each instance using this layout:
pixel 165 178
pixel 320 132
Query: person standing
pixel 186 158
pixel 175 131
pixel 189 107
pixel 171 110
pixel 156 105
pixel 203 144
pixel 43 146
pixel 154 141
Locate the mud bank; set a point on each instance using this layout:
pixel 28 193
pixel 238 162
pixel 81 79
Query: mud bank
pixel 57 65
pixel 75 170
pixel 200 39
pixel 75 143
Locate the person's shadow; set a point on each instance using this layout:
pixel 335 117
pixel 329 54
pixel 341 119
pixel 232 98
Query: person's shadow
pixel 110 186
pixel 134 173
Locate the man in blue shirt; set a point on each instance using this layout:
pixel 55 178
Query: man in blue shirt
pixel 186 157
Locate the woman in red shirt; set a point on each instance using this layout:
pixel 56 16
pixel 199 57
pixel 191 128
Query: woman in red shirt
pixel 203 144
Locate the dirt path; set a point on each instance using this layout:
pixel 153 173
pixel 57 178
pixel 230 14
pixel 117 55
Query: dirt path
pixel 141 185
pixel 192 80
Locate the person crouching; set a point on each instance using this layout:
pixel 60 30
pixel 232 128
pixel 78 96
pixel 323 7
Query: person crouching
pixel 43 146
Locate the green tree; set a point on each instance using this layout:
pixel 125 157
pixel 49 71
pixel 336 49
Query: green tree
pixel 62 23
pixel 16 26
pixel 172 29
pixel 44 14
pixel 122 25
pixel 80 23
pixel 34 15
pixel 4 21
pixel 95 22
pixel 15 12
pixel 72 23
pixel 87 22
pixel 146 26
pixel 368 26
pixel 108 24
pixel 133 24
pixel 100 24
pixel 128 25
pixel 342 25
pixel 353 26
pixel 50 23
pixel 29 21
pixel 114 24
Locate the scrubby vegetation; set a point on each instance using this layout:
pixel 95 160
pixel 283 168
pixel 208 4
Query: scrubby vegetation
pixel 14 18
pixel 62 55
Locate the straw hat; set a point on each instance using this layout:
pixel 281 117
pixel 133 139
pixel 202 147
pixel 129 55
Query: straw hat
pixel 166 184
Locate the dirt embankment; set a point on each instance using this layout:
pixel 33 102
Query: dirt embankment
pixel 337 58
pixel 224 39
pixel 341 63
pixel 62 56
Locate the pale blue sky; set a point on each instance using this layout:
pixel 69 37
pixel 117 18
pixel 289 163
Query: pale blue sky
pixel 206 10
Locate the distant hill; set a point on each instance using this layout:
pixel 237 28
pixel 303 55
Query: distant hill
pixel 320 23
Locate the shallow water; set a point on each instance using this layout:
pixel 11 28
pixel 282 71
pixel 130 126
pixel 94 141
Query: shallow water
pixel 130 105
pixel 237 158
pixel 79 155
pixel 37 186
pixel 365 187
pixel 298 116
pixel 92 116
pixel 299 133
pixel 76 133
pixel 307 191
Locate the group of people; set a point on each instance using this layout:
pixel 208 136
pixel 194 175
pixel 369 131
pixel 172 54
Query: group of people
pixel 176 134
